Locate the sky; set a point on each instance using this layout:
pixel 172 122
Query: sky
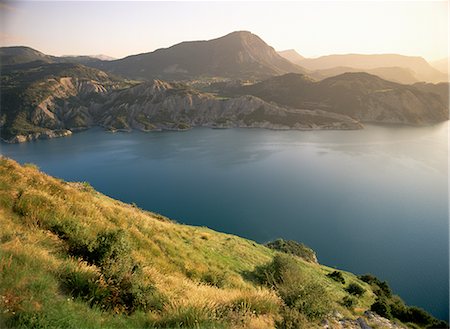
pixel 121 28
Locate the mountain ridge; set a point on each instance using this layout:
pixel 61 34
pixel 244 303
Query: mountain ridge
pixel 237 54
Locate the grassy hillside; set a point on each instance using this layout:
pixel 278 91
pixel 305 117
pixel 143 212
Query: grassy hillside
pixel 71 257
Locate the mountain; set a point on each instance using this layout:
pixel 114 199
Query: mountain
pixel 362 96
pixel 20 55
pixel 423 71
pixel 440 89
pixel 292 56
pixel 395 74
pixel 441 65
pixel 237 55
pixel 71 257
pixel 84 59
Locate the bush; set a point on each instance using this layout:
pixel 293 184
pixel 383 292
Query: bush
pixel 355 289
pixel 308 298
pixel 380 288
pixel 293 248
pixel 275 272
pixel 336 276
pixel 382 308
pixel 348 301
pixel 291 319
pixel 302 295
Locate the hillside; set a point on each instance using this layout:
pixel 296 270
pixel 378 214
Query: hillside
pixel 71 257
pixel 50 100
pixel 236 55
pixel 21 55
pixel 362 96
pixel 45 100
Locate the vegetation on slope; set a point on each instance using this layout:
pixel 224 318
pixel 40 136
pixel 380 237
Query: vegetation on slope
pixel 71 257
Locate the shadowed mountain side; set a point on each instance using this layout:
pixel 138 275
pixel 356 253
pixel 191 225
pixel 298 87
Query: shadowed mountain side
pixel 237 55
pixel 362 96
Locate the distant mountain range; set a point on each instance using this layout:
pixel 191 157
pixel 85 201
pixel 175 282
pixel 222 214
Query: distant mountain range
pixel 46 96
pixel 21 55
pixel 397 68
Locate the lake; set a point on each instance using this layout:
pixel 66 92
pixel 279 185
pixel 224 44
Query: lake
pixel 374 200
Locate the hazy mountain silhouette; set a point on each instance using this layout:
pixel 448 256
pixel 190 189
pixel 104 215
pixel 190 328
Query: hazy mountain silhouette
pixel 421 69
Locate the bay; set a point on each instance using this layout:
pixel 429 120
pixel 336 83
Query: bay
pixel 372 200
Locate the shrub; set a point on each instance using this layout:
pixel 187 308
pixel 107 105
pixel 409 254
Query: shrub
pixel 348 301
pixel 380 288
pixel 275 272
pixel 308 298
pixel 293 248
pixel 298 293
pixel 336 276
pixel 382 308
pixel 355 289
pixel 291 319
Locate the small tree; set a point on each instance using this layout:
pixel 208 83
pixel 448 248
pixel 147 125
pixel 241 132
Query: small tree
pixel 355 289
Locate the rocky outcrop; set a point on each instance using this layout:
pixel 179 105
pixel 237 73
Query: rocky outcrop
pixel 369 320
pixel 40 135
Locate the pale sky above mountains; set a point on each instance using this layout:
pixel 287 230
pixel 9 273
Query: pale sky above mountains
pixel 118 29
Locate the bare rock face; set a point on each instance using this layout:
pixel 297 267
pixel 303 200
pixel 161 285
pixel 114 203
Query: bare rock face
pixel 370 320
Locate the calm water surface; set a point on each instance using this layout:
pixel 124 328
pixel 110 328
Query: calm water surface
pixel 374 200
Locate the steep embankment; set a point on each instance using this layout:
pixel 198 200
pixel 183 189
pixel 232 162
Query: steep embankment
pixel 71 257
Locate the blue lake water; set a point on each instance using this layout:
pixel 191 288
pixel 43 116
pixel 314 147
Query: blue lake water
pixel 374 200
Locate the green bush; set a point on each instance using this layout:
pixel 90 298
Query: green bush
pixel 336 276
pixel 292 319
pixel 285 276
pixel 293 248
pixel 355 289
pixel 348 301
pixel 382 308
pixel 275 272
pixel 380 288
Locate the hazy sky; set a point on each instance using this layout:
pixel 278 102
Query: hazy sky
pixel 316 28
